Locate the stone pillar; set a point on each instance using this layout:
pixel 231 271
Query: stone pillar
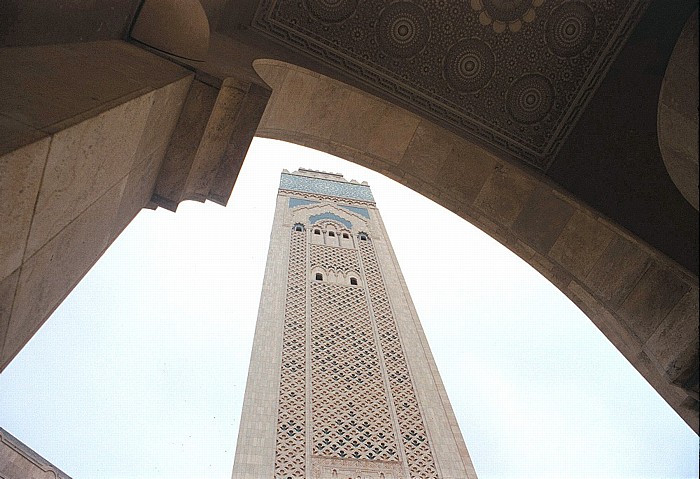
pixel 83 130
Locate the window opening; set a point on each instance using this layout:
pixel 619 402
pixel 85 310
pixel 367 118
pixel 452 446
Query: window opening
pixel 319 277
pixel 330 233
pixel 363 237
pixel 298 228
pixel 317 232
pixel 345 236
pixel 353 281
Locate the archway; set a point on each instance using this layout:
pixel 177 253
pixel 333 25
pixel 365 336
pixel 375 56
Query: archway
pixel 637 297
pixel 192 355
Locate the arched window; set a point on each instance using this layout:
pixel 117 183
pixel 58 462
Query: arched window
pixel 331 234
pixel 319 276
pixel 353 281
pixel 363 236
pixel 346 236
pixel 298 227
pixel 317 232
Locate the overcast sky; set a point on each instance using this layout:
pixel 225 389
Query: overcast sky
pixel 140 373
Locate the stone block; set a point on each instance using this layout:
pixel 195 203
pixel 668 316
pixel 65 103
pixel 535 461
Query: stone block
pixel 617 271
pixel 362 114
pixel 162 118
pixel 214 140
pixel 504 194
pixel 465 171
pixel 48 276
pixel 20 177
pixel 297 90
pixel 8 286
pixel 581 244
pixel 674 344
pixel 392 134
pixel 246 125
pixel 183 145
pixel 427 152
pixel 83 162
pixel 542 219
pixel 652 298
pixel 319 117
pixel 137 191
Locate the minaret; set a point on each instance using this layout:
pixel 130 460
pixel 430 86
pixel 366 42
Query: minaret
pixel 342 383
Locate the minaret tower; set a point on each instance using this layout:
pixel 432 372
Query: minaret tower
pixel 342 383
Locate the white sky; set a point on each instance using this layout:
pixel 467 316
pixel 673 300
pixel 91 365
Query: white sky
pixel 140 373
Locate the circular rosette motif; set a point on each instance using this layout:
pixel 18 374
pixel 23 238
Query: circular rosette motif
pixel 469 65
pixel 403 29
pixel 332 11
pixel 502 14
pixel 530 98
pixel 570 29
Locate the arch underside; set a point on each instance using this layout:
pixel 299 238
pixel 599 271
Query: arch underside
pixel 643 302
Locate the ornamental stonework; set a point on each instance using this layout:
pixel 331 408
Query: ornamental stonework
pixel 513 73
pixel 290 450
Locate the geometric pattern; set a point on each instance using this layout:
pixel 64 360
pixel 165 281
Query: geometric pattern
pixel 337 259
pixel 411 427
pixel 364 416
pixel 290 450
pixel 325 187
pixel 515 74
pixel 351 417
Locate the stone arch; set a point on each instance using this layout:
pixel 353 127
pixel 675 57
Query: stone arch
pixel 643 302
pixel 677 118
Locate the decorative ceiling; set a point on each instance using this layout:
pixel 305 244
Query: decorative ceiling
pixel 514 73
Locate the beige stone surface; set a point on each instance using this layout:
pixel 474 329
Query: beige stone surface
pixel 20 176
pixel 427 152
pixel 617 271
pixel 677 117
pixel 581 244
pixel 8 287
pixel 504 194
pixel 363 114
pixel 17 461
pixel 83 162
pixel 542 219
pixel 392 134
pixel 652 298
pixel 162 117
pixel 48 276
pixel 214 141
pixel 255 449
pixel 184 143
pixel 677 333
pixel 465 171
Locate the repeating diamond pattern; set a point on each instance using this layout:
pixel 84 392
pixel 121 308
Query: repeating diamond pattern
pixel 351 418
pixel 290 460
pixel 412 430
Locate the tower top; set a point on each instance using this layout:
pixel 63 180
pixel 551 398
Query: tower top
pixel 324 183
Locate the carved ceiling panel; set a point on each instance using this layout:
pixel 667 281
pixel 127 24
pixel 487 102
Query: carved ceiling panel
pixel 514 73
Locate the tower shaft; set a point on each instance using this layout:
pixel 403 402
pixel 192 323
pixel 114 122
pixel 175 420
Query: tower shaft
pixel 342 383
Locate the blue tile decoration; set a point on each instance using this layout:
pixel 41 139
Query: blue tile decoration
pixel 320 186
pixel 294 202
pixel 329 216
pixel 356 209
